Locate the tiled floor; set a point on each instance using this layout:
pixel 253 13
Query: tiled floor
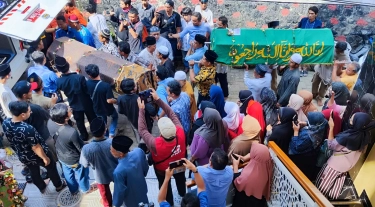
pixel 54 199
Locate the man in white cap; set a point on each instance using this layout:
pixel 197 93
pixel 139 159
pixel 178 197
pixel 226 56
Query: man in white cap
pixel 163 55
pixel 289 82
pixel 170 146
pixel 161 41
pixel 180 76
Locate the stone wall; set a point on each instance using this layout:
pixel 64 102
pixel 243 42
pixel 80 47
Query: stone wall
pixel 344 19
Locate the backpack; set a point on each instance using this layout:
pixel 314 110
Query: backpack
pixel 144 34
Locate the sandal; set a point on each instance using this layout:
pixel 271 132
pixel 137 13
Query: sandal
pixel 93 187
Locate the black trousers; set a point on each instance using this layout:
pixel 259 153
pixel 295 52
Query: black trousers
pixel 79 116
pixel 180 183
pixel 223 80
pixel 202 98
pixel 51 171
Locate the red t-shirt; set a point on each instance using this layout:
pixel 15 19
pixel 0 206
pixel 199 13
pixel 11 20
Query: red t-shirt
pixel 164 150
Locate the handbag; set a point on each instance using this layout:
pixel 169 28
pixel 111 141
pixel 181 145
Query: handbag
pixel 324 154
pixel 150 160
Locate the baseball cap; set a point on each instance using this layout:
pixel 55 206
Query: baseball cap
pixel 23 87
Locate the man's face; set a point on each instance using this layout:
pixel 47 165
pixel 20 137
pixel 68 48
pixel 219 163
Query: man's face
pixel 203 5
pixel 156 35
pixel 182 82
pixel 220 24
pixel 292 64
pixel 168 8
pixel 195 21
pixel 168 92
pixel 27 114
pixel 101 39
pixel 151 48
pixel 40 45
pixel 205 62
pixel 312 15
pixel 186 17
pixel 122 5
pixel 350 69
pixel 62 25
pixel 27 96
pixel 144 2
pixel 133 18
pixel 73 24
pixel 66 8
pixel 115 153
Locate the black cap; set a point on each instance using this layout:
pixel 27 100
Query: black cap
pixel 200 38
pixel 273 24
pixel 122 143
pixel 210 55
pixel 341 46
pixel 34 78
pixel 61 64
pixel 23 87
pixel 150 40
pixel 97 127
pixel 170 3
pixel 4 69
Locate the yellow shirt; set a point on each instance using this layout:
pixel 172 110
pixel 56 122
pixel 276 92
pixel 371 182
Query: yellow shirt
pixel 193 105
pixel 204 79
pixel 349 80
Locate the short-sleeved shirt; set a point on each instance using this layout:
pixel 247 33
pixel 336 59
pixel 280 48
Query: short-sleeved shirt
pixel 192 30
pixel 146 14
pixel 84 36
pixel 349 80
pixel 202 196
pixel 110 48
pixel 22 138
pixel 136 43
pixel 205 78
pixel 181 107
pixel 174 22
pixel 99 99
pixel 197 56
pixel 65 33
pixel 41 100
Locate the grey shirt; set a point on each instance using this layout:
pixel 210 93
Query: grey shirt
pixel 146 14
pixel 136 43
pixel 97 155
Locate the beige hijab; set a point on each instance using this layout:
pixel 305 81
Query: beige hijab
pixel 241 145
pixel 308 106
pixel 296 103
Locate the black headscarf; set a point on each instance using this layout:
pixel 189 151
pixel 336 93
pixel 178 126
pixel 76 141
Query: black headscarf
pixel 283 132
pixel 199 122
pixel 342 93
pixel 268 100
pixel 245 96
pixel 367 101
pixel 358 136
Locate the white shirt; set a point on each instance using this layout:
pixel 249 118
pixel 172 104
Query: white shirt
pixel 256 85
pixel 6 96
pixel 207 14
pixel 151 58
pixel 96 24
pixel 164 42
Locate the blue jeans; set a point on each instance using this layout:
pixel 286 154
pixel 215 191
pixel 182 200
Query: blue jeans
pixel 113 126
pixel 70 172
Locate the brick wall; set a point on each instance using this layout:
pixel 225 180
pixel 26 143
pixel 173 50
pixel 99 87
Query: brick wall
pixel 342 18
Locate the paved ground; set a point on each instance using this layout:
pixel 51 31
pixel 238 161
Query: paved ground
pixel 53 199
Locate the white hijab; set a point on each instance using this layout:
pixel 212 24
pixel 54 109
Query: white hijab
pixel 233 115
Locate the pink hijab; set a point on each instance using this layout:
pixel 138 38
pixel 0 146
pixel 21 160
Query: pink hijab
pixel 256 177
pixel 296 103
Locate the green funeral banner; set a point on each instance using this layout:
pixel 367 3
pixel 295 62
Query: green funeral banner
pixel 269 46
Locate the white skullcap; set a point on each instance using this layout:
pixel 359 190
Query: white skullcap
pixel 180 75
pixel 163 50
pixel 297 58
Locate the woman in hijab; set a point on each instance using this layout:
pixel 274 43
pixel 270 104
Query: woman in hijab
pixel 217 97
pixel 347 147
pixel 308 106
pixel 296 103
pixel 367 101
pixel 199 121
pixel 336 119
pixel 212 134
pixel 303 145
pixel 241 145
pixel 255 110
pixel 233 119
pixel 282 132
pixel 268 100
pixel 245 96
pixel 253 184
pixel 338 98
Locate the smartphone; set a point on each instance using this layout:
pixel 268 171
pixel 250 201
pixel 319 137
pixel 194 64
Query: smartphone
pixel 176 164
pixel 295 119
pixel 236 157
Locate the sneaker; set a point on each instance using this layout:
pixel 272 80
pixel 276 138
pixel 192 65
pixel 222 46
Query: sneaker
pixel 25 171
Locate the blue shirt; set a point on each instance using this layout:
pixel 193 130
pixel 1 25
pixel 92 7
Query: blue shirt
pixel 161 90
pixel 181 107
pixel 129 178
pixel 197 56
pixel 306 24
pixel 217 183
pixel 84 36
pixel 192 30
pixel 62 33
pixel 48 77
pixel 202 200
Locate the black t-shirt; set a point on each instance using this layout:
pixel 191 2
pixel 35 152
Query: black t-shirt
pixel 38 119
pixel 127 105
pixel 168 24
pixel 169 65
pixel 99 99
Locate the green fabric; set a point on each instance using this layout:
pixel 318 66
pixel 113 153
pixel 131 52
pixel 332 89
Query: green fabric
pixel 259 46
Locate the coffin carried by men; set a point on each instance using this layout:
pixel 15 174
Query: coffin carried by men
pixel 112 69
pixel 270 46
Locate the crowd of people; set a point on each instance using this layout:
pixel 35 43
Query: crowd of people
pixel 210 136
